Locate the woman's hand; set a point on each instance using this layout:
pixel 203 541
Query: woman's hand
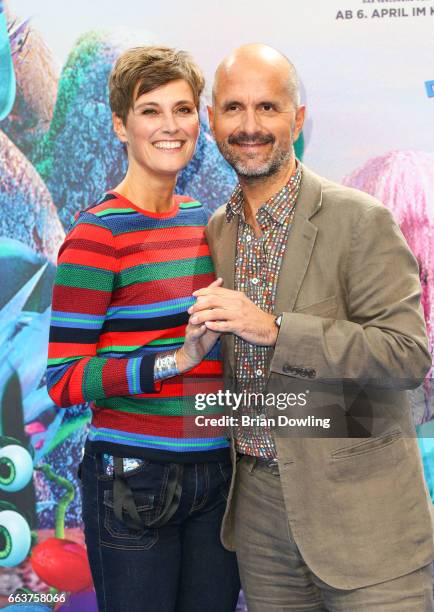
pixel 199 340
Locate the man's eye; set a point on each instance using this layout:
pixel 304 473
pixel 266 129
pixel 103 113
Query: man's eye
pixel 149 111
pixel 267 107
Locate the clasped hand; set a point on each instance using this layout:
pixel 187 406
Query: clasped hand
pixel 223 310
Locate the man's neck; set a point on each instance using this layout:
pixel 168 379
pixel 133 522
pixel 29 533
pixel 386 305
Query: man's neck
pixel 256 191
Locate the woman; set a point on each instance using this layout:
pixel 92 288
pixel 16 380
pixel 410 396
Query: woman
pixel 153 482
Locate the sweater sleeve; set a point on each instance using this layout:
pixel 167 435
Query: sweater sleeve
pixel 86 271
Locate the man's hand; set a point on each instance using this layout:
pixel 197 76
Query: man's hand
pixel 227 311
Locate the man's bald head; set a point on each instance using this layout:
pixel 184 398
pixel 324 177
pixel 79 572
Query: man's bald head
pixel 263 59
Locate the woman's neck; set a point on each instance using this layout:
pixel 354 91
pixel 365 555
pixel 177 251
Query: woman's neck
pixel 146 190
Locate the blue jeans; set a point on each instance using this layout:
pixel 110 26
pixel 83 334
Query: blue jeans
pixel 179 566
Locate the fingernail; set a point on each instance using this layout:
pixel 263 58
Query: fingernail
pixel 190 310
pixel 193 319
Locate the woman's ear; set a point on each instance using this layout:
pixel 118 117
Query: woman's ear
pixel 119 128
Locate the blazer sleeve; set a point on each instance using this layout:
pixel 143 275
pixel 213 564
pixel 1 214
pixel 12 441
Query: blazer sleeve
pixel 383 341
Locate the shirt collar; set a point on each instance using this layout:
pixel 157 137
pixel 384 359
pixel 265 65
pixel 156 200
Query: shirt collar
pixel 276 206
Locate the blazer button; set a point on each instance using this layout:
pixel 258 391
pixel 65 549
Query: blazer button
pixel 311 373
pixel 286 368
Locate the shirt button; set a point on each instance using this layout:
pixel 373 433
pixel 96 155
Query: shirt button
pixel 258 372
pixel 248 238
pixel 255 281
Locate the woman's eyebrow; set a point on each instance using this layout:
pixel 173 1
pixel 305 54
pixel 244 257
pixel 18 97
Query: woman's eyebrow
pixel 179 102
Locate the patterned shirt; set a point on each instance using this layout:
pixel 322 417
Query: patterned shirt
pixel 257 266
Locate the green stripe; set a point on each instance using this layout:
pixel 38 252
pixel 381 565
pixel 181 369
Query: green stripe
pixel 111 211
pixel 146 310
pixel 118 348
pixel 165 270
pixel 190 205
pixel 166 341
pixel 61 360
pixel 70 275
pixel 140 442
pixel 92 379
pixel 72 320
pixel 166 406
pixel 134 375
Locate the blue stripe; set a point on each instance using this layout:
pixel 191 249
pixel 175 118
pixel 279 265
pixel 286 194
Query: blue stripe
pixel 136 222
pixel 56 322
pixel 147 311
pixel 144 350
pixel 171 444
pixel 76 315
pixel 132 375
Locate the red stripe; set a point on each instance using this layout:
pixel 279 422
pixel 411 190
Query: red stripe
pixel 206 367
pixel 75 299
pixel 164 426
pixel 88 231
pixel 136 338
pixel 162 235
pixel 76 380
pixel 59 350
pixel 89 258
pixel 176 387
pixel 114 377
pixel 160 290
pixel 164 254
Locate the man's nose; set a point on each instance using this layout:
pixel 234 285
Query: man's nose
pixel 250 122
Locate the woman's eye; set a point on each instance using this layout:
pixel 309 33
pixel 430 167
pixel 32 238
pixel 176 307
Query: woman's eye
pixel 185 110
pixel 149 111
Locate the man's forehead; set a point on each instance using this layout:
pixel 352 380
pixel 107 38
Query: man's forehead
pixel 250 83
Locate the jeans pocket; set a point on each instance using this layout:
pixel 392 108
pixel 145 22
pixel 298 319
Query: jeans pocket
pixel 120 533
pixel 148 499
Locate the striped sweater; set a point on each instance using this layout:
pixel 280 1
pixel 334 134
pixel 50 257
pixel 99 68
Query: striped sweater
pixel 124 282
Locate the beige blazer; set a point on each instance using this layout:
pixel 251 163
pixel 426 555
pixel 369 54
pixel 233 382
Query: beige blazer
pixel 353 333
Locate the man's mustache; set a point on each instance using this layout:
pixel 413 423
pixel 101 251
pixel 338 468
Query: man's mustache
pixel 255 138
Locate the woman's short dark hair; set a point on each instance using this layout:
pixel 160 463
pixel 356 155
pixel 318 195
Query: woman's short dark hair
pixel 141 69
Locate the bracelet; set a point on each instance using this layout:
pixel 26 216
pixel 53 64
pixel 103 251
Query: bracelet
pixel 165 365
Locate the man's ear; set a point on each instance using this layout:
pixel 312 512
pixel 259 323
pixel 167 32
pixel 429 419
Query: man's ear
pixel 211 118
pixel 299 120
pixel 119 128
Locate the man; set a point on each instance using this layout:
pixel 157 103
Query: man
pixel 320 296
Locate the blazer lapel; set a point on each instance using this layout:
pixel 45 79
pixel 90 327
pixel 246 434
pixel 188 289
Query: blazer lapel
pixel 225 258
pixel 300 243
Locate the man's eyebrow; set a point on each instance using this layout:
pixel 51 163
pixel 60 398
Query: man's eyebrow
pixel 228 103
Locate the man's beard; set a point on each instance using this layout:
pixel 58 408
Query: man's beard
pixel 277 158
